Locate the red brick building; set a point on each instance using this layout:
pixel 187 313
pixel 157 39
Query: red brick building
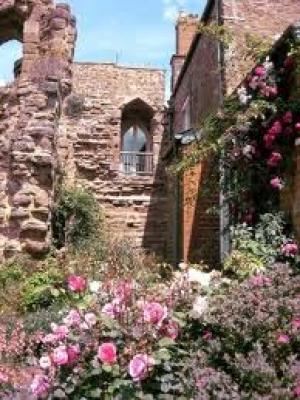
pixel 203 72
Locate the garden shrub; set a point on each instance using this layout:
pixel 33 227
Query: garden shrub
pixel 252 350
pixel 42 289
pixel 255 247
pixel 76 217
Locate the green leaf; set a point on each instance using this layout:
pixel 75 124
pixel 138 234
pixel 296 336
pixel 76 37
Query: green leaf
pixel 166 342
pixel 107 368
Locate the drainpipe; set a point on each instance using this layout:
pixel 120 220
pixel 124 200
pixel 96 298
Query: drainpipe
pixel 224 217
pixel 176 205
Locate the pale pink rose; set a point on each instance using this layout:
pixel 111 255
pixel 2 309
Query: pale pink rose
pixel 50 338
pixel 60 356
pixel 154 313
pixel 77 283
pixel 283 339
pixel 290 249
pixel 296 323
pixel 107 353
pixel 60 331
pixel 45 362
pixel 90 319
pixel 40 385
pixel 123 290
pixel 276 183
pixel 139 366
pixel 73 353
pixel 112 309
pixel 73 318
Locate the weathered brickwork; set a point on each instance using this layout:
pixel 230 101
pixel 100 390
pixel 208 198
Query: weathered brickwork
pixel 29 113
pixel 91 142
pixel 208 73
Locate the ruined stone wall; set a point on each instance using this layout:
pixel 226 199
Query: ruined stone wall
pixel 90 145
pixel 29 114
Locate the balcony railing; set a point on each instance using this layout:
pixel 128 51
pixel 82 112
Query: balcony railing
pixel 136 163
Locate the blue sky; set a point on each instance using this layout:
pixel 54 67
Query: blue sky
pixel 135 32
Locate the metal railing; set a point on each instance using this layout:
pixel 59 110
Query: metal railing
pixel 136 163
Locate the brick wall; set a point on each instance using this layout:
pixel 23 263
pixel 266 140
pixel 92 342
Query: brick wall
pixel 267 19
pixel 90 146
pixel 199 81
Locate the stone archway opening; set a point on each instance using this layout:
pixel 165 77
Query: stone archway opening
pixel 10 61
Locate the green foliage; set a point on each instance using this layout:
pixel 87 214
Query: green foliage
pixel 43 289
pixel 76 217
pixel 263 242
pixel 242 264
pixel 10 272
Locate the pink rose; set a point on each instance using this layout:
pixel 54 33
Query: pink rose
pixel 60 331
pixel 290 249
pixel 139 366
pixel 90 319
pixel 107 353
pixel 297 127
pixel 297 391
pixel 77 283
pixel 112 309
pixel 283 339
pixel 269 140
pixel 40 385
pixel 276 183
pixel 73 353
pixel 288 117
pixel 123 290
pixel 276 128
pixel 60 356
pixel 274 159
pixel 260 71
pixel 73 318
pixel 296 323
pixel 49 339
pixel 154 313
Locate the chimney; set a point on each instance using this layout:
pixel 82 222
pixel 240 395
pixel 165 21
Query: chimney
pixel 186 29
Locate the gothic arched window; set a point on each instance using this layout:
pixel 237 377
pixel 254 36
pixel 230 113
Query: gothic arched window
pixel 136 145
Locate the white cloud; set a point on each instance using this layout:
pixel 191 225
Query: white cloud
pixel 172 9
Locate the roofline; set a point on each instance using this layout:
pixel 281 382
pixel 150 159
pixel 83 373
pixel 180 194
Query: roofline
pixel 120 66
pixel 189 56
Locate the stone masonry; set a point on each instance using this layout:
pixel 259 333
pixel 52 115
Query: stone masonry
pixel 29 116
pixel 90 146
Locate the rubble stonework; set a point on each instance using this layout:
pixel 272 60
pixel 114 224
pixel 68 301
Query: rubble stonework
pixel 90 147
pixel 29 117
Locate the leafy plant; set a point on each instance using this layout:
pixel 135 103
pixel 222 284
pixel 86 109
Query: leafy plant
pixel 42 289
pixel 242 264
pixel 76 217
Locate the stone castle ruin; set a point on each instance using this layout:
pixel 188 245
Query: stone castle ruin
pixel 97 125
